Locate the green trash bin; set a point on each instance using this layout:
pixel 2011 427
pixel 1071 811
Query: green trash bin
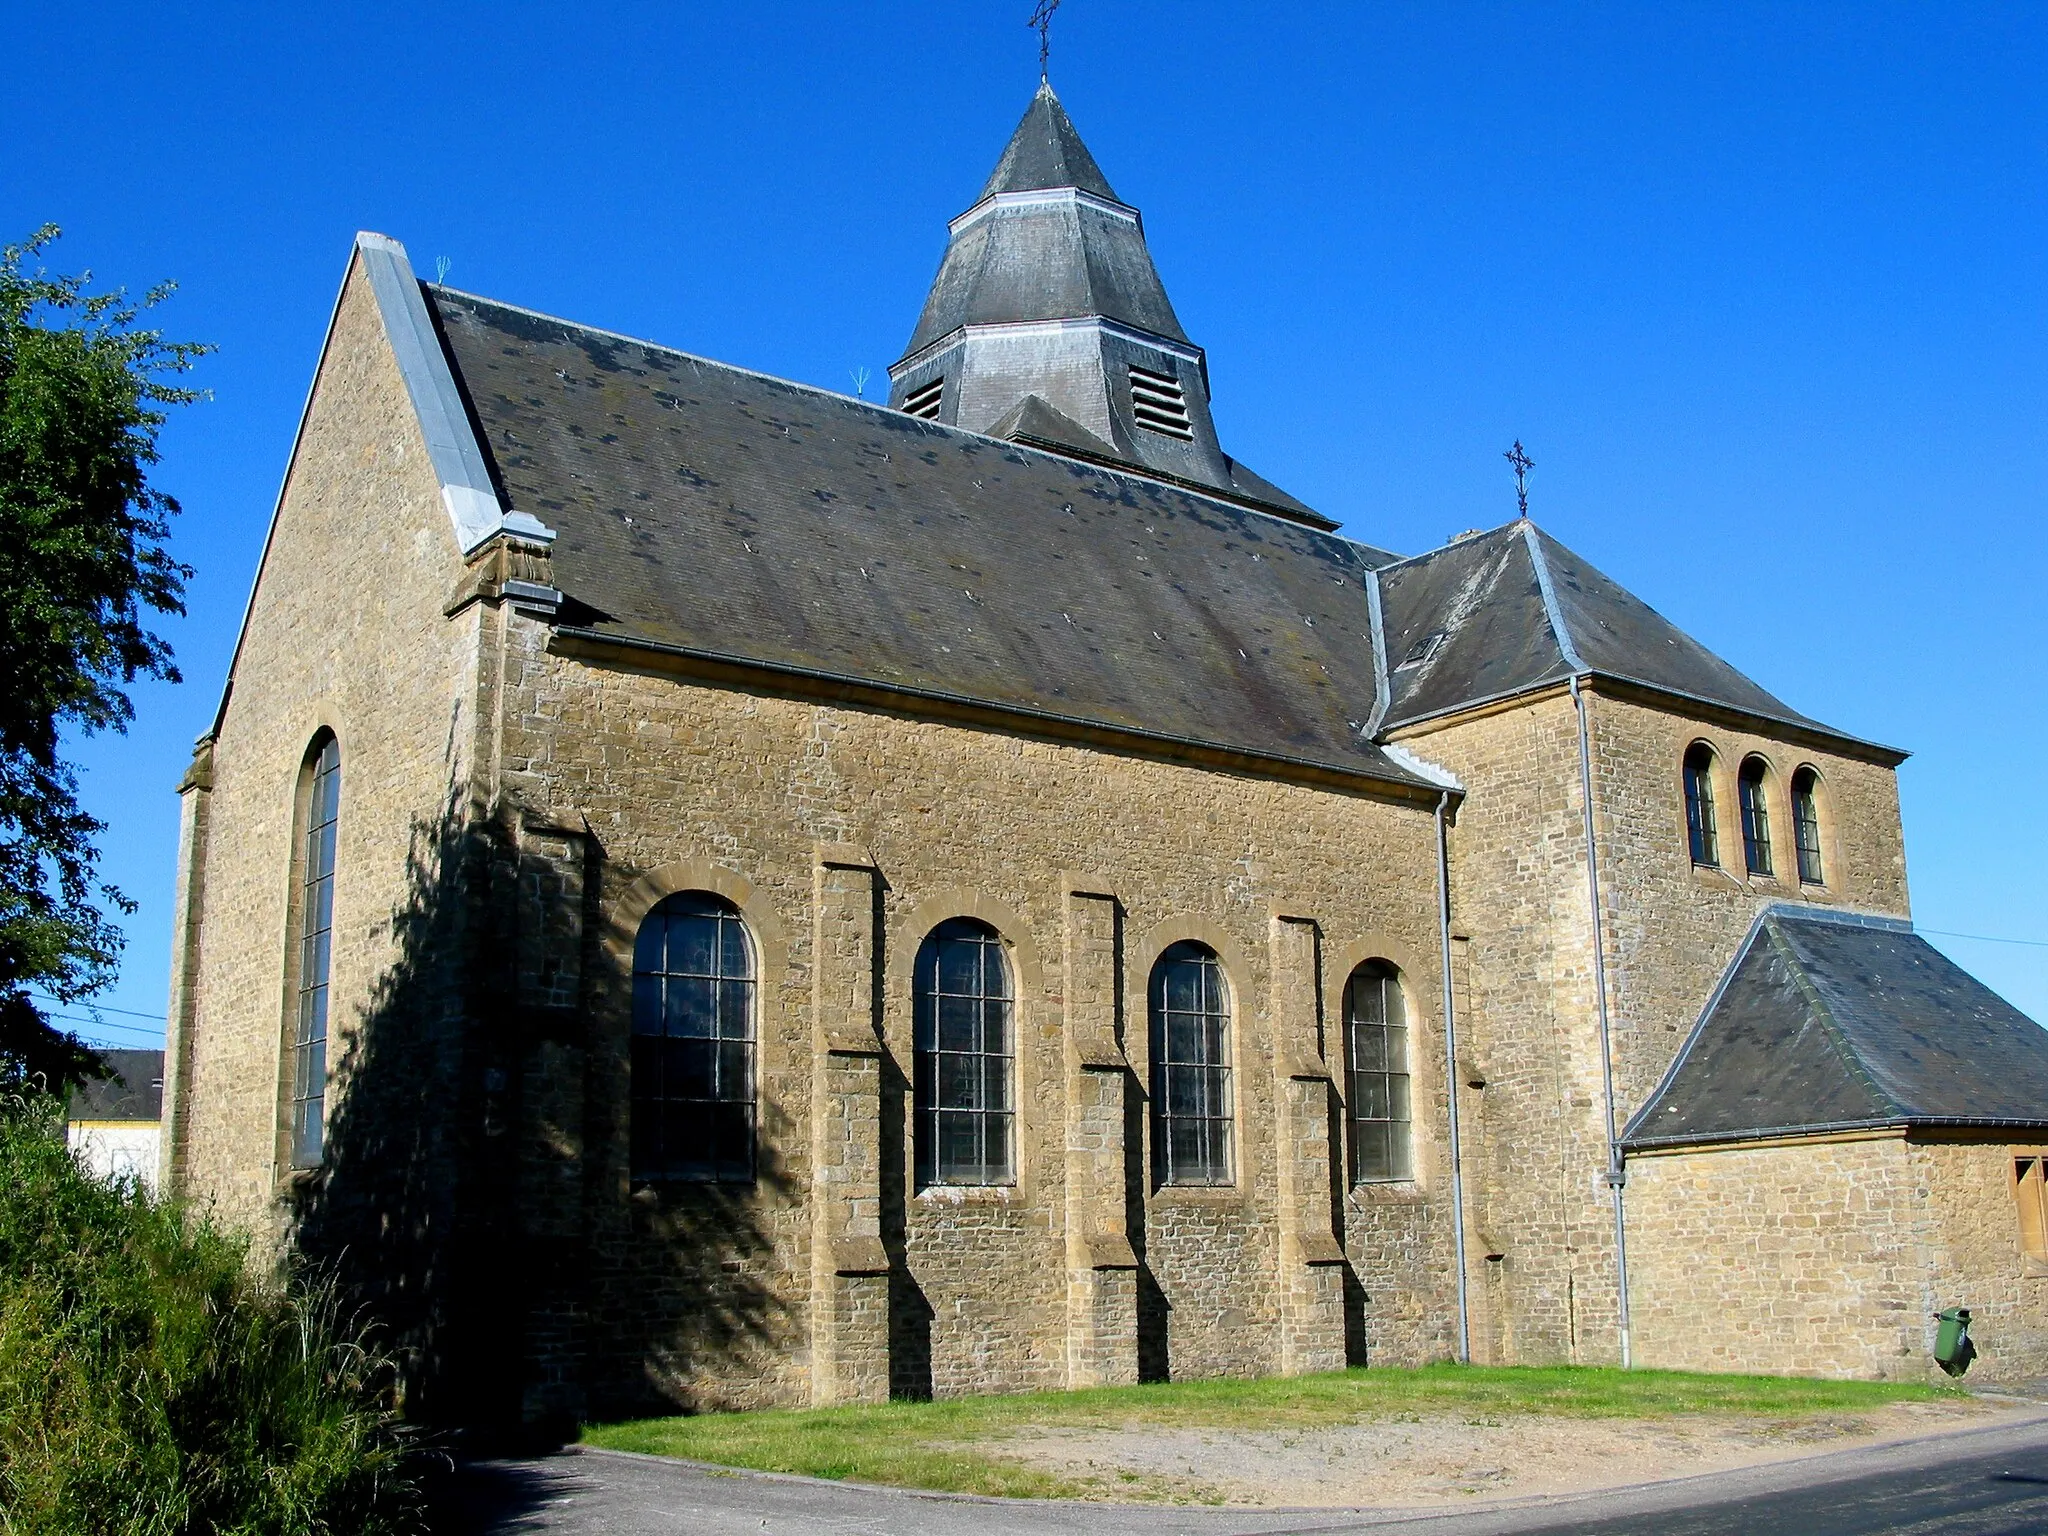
pixel 1953 1350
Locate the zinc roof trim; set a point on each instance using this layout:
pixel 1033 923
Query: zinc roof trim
pixel 1559 630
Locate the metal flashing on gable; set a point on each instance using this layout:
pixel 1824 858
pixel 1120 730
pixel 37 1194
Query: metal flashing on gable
pixel 1565 648
pixel 1383 694
pixel 466 488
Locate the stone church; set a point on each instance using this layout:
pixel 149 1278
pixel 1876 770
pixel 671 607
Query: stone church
pixel 704 891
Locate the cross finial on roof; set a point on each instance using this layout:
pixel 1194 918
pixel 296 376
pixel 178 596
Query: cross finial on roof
pixel 1523 464
pixel 1041 18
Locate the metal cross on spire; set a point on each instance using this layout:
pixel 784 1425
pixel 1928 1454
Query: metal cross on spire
pixel 1041 18
pixel 1523 464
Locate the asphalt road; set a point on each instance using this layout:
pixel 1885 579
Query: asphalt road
pixel 1981 1483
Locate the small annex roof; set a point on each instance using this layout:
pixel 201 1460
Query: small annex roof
pixel 1511 610
pixel 132 1090
pixel 727 515
pixel 1831 1021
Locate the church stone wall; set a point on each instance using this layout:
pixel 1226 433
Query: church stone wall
pixel 1976 1260
pixel 1089 863
pixel 1803 1259
pixel 1832 1258
pixel 1542 1246
pixel 345 631
pixel 1536 1146
pixel 1672 927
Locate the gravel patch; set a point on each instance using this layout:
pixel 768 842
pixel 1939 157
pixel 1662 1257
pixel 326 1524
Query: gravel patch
pixel 1427 1461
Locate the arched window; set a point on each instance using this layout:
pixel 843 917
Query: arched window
pixel 960 993
pixel 1756 816
pixel 693 1043
pixel 1376 1056
pixel 1191 1114
pixel 322 816
pixel 1700 824
pixel 1806 825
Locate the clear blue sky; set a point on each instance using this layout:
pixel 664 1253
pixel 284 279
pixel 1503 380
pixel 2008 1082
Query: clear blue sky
pixel 1763 288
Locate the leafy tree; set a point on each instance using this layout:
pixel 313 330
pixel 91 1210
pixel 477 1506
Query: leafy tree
pixel 84 386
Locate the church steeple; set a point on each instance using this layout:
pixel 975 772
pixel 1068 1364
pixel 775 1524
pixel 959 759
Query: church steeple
pixel 1048 324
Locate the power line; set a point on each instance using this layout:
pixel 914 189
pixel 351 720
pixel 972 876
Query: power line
pixel 43 997
pixel 72 1018
pixel 1984 938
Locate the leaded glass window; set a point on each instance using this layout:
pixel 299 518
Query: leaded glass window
pixel 1191 1090
pixel 965 1058
pixel 1699 805
pixel 1756 817
pixel 693 1043
pixel 1806 825
pixel 1376 1052
pixel 316 952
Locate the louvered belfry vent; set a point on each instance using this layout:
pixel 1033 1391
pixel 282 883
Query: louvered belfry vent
pixel 1159 405
pixel 924 400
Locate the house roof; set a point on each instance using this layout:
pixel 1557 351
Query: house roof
pixel 719 512
pixel 132 1090
pixel 1830 1021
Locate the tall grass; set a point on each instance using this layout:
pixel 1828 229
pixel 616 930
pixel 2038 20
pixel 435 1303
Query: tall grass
pixel 151 1385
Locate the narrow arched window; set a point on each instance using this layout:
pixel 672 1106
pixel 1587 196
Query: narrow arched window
pixel 693 1043
pixel 1191 1113
pixel 1753 788
pixel 1700 822
pixel 316 952
pixel 1806 825
pixel 1376 1056
pixel 961 996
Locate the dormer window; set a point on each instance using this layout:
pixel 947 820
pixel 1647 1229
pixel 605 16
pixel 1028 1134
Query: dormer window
pixel 1421 651
pixel 924 400
pixel 1159 404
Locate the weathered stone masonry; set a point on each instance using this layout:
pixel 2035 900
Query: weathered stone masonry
pixel 594 623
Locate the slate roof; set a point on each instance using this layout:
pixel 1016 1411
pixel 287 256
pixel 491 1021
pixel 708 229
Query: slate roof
pixel 1037 259
pixel 1045 151
pixel 715 510
pixel 1829 1021
pixel 133 1091
pixel 725 513
pixel 1047 289
pixel 1512 610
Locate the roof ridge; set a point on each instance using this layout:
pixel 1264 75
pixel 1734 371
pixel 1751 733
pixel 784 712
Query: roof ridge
pixel 1430 554
pixel 1838 1037
pixel 1127 471
pixel 1560 631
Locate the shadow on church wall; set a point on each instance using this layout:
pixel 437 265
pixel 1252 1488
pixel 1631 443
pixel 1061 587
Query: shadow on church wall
pixel 474 1199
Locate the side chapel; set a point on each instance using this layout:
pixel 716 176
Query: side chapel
pixel 706 891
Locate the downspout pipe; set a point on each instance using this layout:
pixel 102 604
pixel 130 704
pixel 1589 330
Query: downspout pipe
pixel 1617 1176
pixel 1443 902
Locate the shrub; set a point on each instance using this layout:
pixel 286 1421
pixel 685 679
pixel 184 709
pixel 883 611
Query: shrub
pixel 150 1385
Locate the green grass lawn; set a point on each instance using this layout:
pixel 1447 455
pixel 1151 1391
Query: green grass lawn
pixel 932 1445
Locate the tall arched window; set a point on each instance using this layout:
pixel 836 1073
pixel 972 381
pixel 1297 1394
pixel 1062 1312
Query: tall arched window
pixel 1700 823
pixel 1806 825
pixel 693 1043
pixel 960 993
pixel 1191 1104
pixel 1753 788
pixel 1376 1056
pixel 316 951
